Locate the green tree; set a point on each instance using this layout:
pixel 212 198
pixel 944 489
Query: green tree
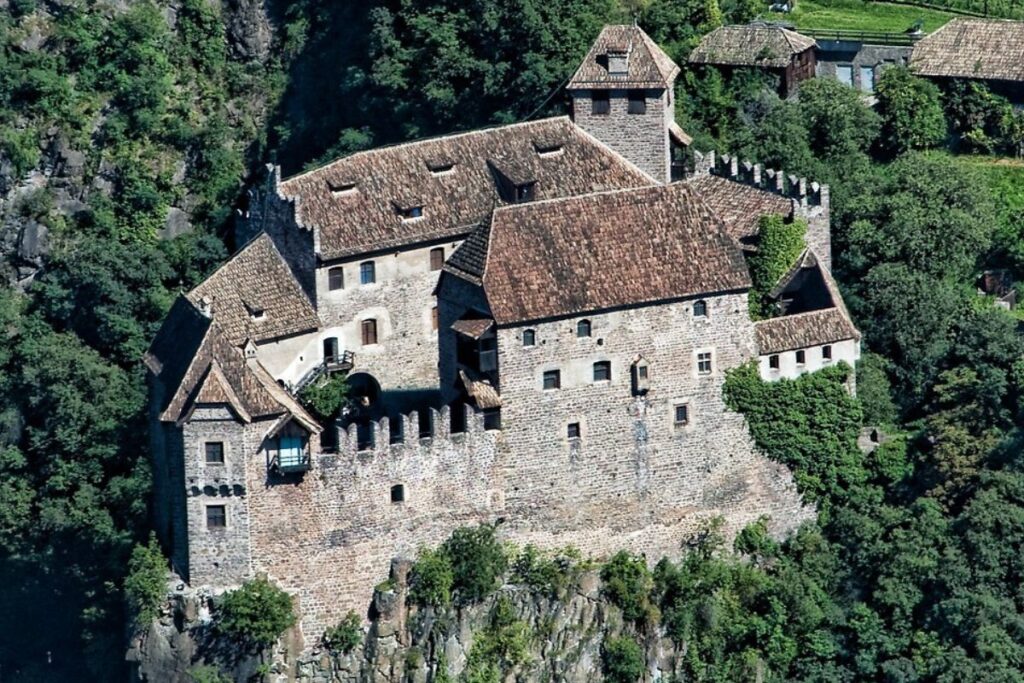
pixel 627 583
pixel 622 660
pixel 911 111
pixel 146 583
pixel 478 561
pixel 838 122
pixel 257 614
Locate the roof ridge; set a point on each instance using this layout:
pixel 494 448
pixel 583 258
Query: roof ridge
pixel 434 138
pixel 229 260
pixel 590 195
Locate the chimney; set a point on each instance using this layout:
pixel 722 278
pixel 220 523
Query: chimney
pixel 618 59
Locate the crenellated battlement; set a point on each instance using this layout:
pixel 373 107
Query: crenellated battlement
pixel 428 427
pixel 805 193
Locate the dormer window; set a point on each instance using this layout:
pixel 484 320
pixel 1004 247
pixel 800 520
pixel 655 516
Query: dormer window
pixel 548 148
pixel 441 166
pixel 258 314
pixel 525 192
pixel 411 213
pixel 343 188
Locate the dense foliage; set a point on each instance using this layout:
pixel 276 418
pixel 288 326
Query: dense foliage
pixel 779 245
pixel 256 614
pixel 345 635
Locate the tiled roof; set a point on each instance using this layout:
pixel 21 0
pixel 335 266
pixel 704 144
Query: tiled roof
pixel 803 330
pixel 811 328
pixel 473 328
pixel 623 248
pixel 751 45
pixel 481 391
pixel 469 259
pixel 196 363
pixel 359 215
pixel 648 66
pixel 972 48
pixel 255 296
pixel 740 206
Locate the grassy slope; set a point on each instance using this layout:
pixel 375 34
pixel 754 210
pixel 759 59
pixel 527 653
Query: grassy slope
pixel 865 16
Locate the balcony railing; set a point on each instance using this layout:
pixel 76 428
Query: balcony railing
pixel 341 362
pixel 868 37
pixel 291 463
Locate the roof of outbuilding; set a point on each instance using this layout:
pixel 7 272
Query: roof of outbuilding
pixel 750 45
pixel 740 206
pixel 359 214
pixel 648 66
pixel 255 296
pixel 605 250
pixel 972 48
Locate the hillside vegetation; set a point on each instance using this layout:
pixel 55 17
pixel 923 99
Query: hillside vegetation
pixel 129 129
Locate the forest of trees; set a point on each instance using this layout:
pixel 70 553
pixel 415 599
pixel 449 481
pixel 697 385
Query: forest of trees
pixel 912 571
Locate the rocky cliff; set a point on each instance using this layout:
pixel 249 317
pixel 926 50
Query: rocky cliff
pixel 531 635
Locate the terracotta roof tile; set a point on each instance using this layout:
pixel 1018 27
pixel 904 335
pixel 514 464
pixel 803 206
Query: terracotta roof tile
pixel 972 48
pixel 750 45
pixel 255 296
pixel 454 202
pixel 648 66
pixel 481 391
pixel 473 328
pixel 740 206
pixel 624 248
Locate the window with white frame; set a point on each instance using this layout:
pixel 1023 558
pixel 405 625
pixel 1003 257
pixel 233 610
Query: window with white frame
pixel 704 363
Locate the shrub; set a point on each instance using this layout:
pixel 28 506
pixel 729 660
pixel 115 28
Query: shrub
pixel 622 659
pixel 346 635
pixel 628 584
pixel 431 579
pixel 504 643
pixel 544 573
pixel 257 613
pixel 146 584
pixel 478 562
pixel 208 674
pixel 326 398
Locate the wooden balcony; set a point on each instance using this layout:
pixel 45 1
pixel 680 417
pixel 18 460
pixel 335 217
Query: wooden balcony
pixel 291 463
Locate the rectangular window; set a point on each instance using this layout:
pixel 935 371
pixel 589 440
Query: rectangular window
pixel 436 258
pixel 573 430
pixel 552 379
pixel 336 278
pixel 602 371
pixel 492 418
pixel 826 352
pixel 398 493
pixel 369 332
pixel 433 318
pixel 682 415
pixel 773 361
pixel 216 517
pixel 867 79
pixel 801 357
pixel 529 338
pixel 409 213
pixel 641 371
pixel 704 363
pixel 600 103
pixel 215 453
pixel 367 273
pixel 844 74
pixel 637 102
pixel 525 192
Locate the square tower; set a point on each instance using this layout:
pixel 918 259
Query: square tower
pixel 622 94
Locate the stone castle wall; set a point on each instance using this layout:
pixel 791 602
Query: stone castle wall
pixel 640 138
pixel 811 200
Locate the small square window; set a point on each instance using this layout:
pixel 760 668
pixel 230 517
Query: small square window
pixel 641 371
pixel 801 357
pixel 552 379
pixel 369 332
pixel 529 338
pixel 492 418
pixel 637 102
pixel 704 363
pixel 773 361
pixel 215 453
pixel 602 371
pixel 584 328
pixel 398 493
pixel 600 103
pixel 367 273
pixel 336 278
pixel 826 352
pixel 526 192
pixel 216 517
pixel 436 258
pixel 682 415
pixel 573 430
pixel 700 309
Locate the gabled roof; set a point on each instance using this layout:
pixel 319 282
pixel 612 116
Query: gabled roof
pixel 972 48
pixel 750 45
pixel 740 206
pixel 255 296
pixel 648 66
pixel 193 359
pixel 600 251
pixel 811 328
pixel 362 217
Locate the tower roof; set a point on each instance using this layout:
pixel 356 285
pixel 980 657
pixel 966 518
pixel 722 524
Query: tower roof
pixel 750 45
pixel 646 65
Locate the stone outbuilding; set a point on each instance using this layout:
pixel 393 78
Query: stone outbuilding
pixel 778 50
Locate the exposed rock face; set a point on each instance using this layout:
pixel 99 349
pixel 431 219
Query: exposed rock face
pixel 249 31
pixel 406 644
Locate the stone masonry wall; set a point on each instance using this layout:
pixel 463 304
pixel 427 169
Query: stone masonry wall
pixel 640 138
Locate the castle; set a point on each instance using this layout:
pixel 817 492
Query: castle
pixel 535 322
